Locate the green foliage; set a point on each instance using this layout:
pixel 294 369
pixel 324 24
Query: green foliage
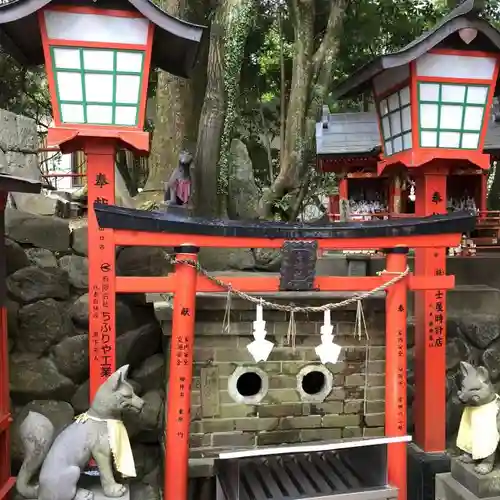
pixel 24 91
pixel 240 19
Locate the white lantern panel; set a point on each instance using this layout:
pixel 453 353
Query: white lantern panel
pixel 98 87
pixel 100 115
pixel 395 123
pixel 98 60
pixel 429 115
pixel 72 113
pixel 393 102
pixel 449 139
pixel 397 144
pixel 477 95
pixel 406 118
pixel 407 141
pixel 470 141
pixel 384 109
pixel 386 130
pixel 404 96
pixel 69 86
pixel 428 139
pixel 456 66
pixel 473 118
pixel 453 93
pixel 451 117
pixel 429 92
pixel 66 58
pixel 74 26
pixel 126 115
pixel 129 62
pixel 127 89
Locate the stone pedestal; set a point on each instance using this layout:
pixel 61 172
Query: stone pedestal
pixel 422 470
pixel 463 483
pixel 93 484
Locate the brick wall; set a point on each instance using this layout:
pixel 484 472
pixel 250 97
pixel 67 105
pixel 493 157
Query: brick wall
pixel 282 416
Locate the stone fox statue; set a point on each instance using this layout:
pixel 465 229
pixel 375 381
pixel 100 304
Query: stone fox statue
pixel 98 433
pixel 478 434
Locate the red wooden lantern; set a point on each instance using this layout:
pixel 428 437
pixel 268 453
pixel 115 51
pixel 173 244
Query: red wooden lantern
pixel 98 62
pixel 433 100
pixel 436 106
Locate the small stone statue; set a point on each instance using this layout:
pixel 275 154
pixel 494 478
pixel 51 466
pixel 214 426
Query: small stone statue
pixel 98 433
pixel 478 435
pixel 178 187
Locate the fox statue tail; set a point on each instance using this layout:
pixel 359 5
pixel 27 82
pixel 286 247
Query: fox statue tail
pixel 37 435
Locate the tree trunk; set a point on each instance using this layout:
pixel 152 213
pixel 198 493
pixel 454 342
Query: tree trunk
pixel 229 32
pixel 311 77
pixel 211 124
pixel 178 107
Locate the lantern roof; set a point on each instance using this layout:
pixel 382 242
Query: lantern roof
pixel 175 43
pixel 443 35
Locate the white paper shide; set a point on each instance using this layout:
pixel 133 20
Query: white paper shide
pixel 327 351
pixel 260 348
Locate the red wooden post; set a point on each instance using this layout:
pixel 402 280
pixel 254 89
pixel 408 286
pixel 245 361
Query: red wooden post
pixel 6 482
pixel 395 370
pixel 180 378
pixel 430 318
pixel 102 329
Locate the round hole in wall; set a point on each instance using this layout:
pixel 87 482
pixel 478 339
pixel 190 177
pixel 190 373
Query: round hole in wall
pixel 313 382
pixel 249 384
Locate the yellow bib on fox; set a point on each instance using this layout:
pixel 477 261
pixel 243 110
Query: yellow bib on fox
pixel 478 433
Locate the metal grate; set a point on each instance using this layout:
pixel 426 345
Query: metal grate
pixel 293 477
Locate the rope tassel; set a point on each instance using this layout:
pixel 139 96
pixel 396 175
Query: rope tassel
pixel 292 331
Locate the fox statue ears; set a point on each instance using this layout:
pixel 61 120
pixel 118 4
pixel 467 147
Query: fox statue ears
pixel 467 370
pixel 118 377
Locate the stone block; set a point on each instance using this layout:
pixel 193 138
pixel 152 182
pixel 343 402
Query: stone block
pixel 40 231
pixel 353 406
pixel 256 424
pixel 355 380
pixel 373 432
pixel 320 434
pixel 9 139
pixel 233 439
pixel 238 411
pixel 278 437
pixel 218 425
pixel 27 136
pixel 481 486
pixel 333 407
pixel 276 410
pixel 351 432
pixel 209 390
pixel 306 422
pixel 341 420
pixel 375 419
pixel 447 488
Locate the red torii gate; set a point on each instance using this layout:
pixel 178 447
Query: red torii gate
pixel 128 227
pixel 8 183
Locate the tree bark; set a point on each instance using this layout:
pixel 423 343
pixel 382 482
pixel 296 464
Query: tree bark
pixel 178 107
pixel 211 124
pixel 229 31
pixel 311 77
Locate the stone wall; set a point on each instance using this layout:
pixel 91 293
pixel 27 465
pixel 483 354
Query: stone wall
pixel 48 336
pixel 292 397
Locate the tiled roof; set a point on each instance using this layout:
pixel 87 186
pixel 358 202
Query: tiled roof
pixel 358 133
